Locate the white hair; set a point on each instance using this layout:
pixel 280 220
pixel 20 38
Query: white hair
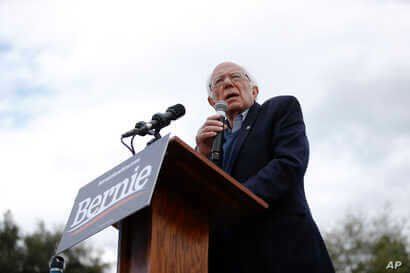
pixel 252 82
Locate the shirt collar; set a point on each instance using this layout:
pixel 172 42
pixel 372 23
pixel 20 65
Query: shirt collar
pixel 243 114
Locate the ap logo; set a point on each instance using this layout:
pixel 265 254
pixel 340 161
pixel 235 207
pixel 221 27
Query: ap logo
pixel 394 265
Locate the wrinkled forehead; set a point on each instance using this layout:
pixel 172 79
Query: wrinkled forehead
pixel 226 68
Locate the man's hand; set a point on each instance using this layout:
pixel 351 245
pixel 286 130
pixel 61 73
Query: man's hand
pixel 207 133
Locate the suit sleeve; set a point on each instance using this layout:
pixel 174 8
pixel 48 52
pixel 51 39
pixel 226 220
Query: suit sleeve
pixel 290 152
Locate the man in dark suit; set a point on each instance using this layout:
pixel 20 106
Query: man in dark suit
pixel 265 149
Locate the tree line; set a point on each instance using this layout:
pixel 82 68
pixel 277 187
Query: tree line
pixel 364 244
pixel 30 253
pixel 358 244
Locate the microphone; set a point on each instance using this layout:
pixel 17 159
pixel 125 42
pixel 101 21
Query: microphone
pixel 157 122
pixel 56 264
pixel 216 151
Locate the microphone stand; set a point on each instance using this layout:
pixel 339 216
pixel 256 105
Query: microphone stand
pixel 142 131
pixel 156 135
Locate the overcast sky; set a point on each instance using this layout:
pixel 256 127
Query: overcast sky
pixel 74 75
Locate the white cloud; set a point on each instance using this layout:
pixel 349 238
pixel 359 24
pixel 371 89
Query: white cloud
pixel 106 65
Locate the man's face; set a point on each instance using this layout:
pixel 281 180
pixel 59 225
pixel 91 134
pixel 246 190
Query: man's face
pixel 230 83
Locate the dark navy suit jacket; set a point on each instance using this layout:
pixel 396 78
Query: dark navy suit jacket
pixel 270 157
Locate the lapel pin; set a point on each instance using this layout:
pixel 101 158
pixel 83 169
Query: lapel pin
pixel 248 127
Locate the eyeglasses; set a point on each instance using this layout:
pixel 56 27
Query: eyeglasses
pixel 234 77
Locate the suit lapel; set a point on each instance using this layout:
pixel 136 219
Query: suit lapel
pixel 243 133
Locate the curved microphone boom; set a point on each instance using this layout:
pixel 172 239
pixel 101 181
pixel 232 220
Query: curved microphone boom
pixel 216 151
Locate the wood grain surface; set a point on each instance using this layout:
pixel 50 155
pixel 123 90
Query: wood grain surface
pixel 171 236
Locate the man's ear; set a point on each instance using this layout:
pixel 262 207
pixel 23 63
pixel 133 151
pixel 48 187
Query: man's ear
pixel 211 101
pixel 255 92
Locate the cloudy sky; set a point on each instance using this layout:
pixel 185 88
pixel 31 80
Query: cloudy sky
pixel 74 75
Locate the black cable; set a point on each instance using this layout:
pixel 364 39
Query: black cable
pixel 132 145
pixel 128 147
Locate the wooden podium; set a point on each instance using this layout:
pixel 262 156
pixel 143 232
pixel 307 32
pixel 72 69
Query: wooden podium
pixel 171 235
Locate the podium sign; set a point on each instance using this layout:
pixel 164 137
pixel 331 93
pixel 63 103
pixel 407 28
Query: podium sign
pixel 114 195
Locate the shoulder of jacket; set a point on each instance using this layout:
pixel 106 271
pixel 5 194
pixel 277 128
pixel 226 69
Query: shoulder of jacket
pixel 280 100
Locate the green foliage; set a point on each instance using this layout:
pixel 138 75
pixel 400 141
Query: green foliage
pixel 31 253
pixel 10 251
pixel 362 245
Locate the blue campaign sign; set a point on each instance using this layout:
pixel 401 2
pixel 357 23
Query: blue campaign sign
pixel 114 195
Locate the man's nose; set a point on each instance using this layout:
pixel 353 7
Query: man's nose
pixel 227 82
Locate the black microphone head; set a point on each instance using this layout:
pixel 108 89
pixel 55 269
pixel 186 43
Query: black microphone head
pixel 177 110
pixel 221 107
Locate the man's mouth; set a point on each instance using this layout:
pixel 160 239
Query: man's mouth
pixel 231 95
